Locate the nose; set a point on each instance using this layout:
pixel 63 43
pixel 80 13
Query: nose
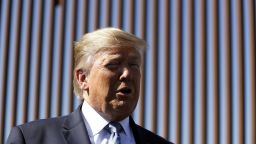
pixel 125 74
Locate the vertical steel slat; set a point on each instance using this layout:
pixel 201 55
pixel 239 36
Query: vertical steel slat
pixel 97 14
pixel 49 59
pixel 27 62
pixel 216 72
pixel 108 14
pixel 16 66
pixel 254 16
pixel 239 41
pixel 199 72
pixel 229 74
pixel 204 72
pixel 167 70
pixel 60 60
pixel 6 41
pixel 1 15
pixel 226 91
pixel 213 118
pixel 155 66
pixel 230 80
pixel 179 72
pixel 38 59
pixel 143 71
pixel 241 76
pixel 70 67
pixel 132 18
pixel 86 15
pixel 252 65
pixel 191 66
pixel 188 74
pixel 131 21
pixel 143 16
pixel 218 100
pixel 120 14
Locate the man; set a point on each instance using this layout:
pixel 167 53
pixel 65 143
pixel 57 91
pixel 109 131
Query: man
pixel 107 65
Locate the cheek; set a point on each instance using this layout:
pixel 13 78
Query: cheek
pixel 137 77
pixel 137 83
pixel 105 83
pixel 107 79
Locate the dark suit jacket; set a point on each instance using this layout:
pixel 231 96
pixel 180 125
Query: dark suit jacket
pixel 69 129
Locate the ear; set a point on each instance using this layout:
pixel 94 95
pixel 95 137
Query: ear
pixel 81 78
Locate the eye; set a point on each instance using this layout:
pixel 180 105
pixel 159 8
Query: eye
pixel 112 65
pixel 134 65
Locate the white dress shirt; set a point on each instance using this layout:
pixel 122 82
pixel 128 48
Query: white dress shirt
pixel 95 124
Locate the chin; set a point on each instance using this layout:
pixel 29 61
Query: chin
pixel 120 114
pixel 124 107
pixel 119 117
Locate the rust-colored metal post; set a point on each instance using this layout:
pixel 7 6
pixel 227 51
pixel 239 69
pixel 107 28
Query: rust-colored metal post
pixel 191 68
pixel 216 67
pixel 167 70
pixel 132 18
pixel 6 43
pixel 252 63
pixel 70 66
pixel 38 48
pixel 203 67
pixel 143 80
pixel 49 60
pixel 155 66
pixel 27 62
pixel 60 41
pixel 62 15
pixel 179 71
pixel 120 14
pixel 86 15
pixel 97 14
pixel 16 40
pixel 230 80
pixel 228 73
pixel 108 13
pixel 239 41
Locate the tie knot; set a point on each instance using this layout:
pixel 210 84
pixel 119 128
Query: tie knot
pixel 115 127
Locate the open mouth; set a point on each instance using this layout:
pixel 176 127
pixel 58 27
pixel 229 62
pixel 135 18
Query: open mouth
pixel 125 91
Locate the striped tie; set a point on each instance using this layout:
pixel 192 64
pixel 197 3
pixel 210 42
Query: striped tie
pixel 114 128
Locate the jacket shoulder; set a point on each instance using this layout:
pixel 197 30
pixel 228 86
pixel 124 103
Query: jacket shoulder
pixel 49 123
pixel 150 136
pixel 16 136
pixel 33 132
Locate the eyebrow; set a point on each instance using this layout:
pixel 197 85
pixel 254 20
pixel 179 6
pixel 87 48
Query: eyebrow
pixel 135 56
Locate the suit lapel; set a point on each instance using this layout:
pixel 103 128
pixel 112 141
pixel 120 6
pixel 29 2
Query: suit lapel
pixel 75 132
pixel 74 129
pixel 137 136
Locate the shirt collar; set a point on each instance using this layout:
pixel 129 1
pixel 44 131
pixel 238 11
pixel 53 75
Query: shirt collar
pixel 125 124
pixel 96 122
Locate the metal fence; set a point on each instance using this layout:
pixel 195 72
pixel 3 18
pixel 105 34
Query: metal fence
pixel 198 83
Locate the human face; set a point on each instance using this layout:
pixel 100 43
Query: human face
pixel 114 83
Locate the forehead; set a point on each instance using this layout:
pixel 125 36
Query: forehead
pixel 119 52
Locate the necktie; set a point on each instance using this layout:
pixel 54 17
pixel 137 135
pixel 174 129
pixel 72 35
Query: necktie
pixel 114 128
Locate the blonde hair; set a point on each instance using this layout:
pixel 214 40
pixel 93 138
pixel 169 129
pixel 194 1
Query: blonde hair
pixel 91 43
